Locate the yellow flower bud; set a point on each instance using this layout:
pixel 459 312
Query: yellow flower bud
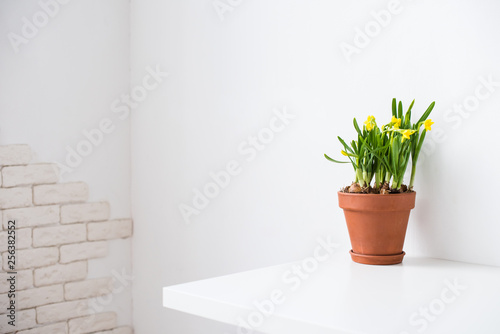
pixel 396 122
pixel 370 123
pixel 428 124
pixel 406 134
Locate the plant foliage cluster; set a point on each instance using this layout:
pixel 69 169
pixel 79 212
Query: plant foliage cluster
pixel 382 154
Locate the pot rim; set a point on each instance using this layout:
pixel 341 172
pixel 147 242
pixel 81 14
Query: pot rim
pixel 391 195
pixel 377 202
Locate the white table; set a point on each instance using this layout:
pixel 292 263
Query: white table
pixel 422 295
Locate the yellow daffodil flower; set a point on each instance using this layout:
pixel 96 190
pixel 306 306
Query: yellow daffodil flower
pixel 343 153
pixel 428 124
pixel 396 122
pixel 370 123
pixel 406 134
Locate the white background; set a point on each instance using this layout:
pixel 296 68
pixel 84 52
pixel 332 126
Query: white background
pixel 61 83
pixel 226 77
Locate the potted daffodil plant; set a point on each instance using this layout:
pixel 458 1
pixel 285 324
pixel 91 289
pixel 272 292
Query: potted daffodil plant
pixel 377 204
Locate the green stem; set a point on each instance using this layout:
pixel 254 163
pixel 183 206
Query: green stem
pixel 399 182
pixel 369 178
pixel 378 179
pixel 388 177
pixel 359 176
pixel 412 179
pixel 395 182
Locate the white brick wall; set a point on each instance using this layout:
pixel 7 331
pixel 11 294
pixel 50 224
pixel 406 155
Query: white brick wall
pixel 59 328
pixel 61 273
pixel 24 319
pixel 33 258
pixel 62 311
pixel 88 289
pixel 60 193
pixel 39 296
pixel 32 216
pixel 22 239
pixel 92 323
pixel 31 174
pixel 83 251
pixel 15 197
pixel 57 233
pixel 24 280
pixel 113 229
pixel 15 155
pixel 4 303
pixel 120 330
pixel 86 212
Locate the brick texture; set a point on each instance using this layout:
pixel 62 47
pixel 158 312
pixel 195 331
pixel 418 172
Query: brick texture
pixel 24 280
pixel 33 216
pixel 60 193
pixel 15 197
pixel 33 258
pixel 15 155
pixel 30 174
pixel 62 311
pixel 60 273
pixel 119 330
pixel 86 212
pixel 39 296
pixel 24 320
pixel 83 251
pixel 59 328
pixel 22 239
pixel 92 323
pixel 88 289
pixel 57 234
pixel 113 229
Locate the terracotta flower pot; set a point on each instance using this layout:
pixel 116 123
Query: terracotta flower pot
pixel 377 225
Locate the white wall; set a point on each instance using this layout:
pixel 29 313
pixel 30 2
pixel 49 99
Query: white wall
pixel 60 81
pixel 226 76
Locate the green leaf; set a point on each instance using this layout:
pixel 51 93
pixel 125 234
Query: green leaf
pixel 395 155
pixel 355 122
pixel 362 147
pixel 375 153
pixel 394 112
pixel 400 110
pixel 354 146
pixel 407 120
pixel 414 143
pixel 347 148
pixel 419 146
pixel 333 160
pixel 427 112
